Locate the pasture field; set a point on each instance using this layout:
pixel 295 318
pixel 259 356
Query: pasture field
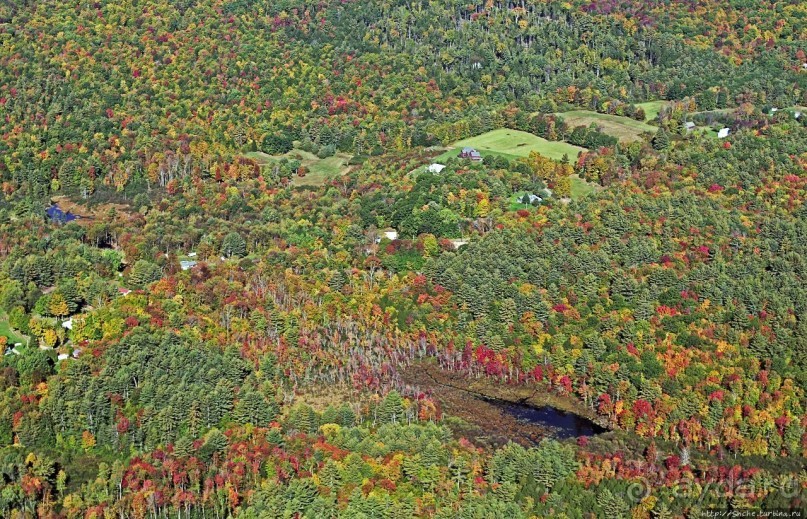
pixel 6 331
pixel 513 144
pixel 623 128
pixel 581 188
pixel 709 132
pixel 319 170
pixel 651 109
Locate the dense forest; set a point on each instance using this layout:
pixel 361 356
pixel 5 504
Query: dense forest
pixel 199 320
pixel 148 92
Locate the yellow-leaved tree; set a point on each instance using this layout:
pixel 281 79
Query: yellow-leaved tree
pixel 58 305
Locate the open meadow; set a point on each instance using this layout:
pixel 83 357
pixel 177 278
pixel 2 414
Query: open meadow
pixel 6 331
pixel 651 109
pixel 623 128
pixel 513 144
pixel 319 170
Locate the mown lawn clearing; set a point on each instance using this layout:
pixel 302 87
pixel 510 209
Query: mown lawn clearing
pixel 319 170
pixel 513 144
pixel 651 109
pixel 6 331
pixel 623 128
pixel 581 188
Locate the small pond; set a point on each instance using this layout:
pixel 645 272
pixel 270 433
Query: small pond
pixel 57 215
pixel 562 424
pixel 493 415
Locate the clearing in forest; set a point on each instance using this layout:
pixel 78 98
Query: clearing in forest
pixel 513 144
pixel 623 128
pixel 580 187
pixel 651 108
pixel 319 170
pixel 90 214
pixel 11 335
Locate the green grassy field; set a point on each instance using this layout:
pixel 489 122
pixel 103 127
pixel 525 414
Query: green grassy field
pixel 623 128
pixel 514 202
pixel 5 330
pixel 513 144
pixel 319 170
pixel 709 132
pixel 651 109
pixel 581 188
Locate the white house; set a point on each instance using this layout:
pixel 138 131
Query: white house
pixel 187 264
pixel 436 168
pixel 530 197
pixel 457 243
pixel 191 254
pixel 388 233
pixel 723 133
pixel 63 356
pixel 68 324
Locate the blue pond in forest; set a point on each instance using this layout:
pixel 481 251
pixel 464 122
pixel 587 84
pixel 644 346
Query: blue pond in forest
pixel 563 424
pixel 56 214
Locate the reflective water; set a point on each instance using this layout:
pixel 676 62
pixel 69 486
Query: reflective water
pixel 562 424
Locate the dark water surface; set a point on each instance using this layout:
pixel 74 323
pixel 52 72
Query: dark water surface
pixel 56 214
pixel 562 424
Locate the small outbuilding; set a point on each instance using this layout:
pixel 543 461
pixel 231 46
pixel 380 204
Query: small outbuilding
pixel 436 168
pixel 187 264
pixel 723 133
